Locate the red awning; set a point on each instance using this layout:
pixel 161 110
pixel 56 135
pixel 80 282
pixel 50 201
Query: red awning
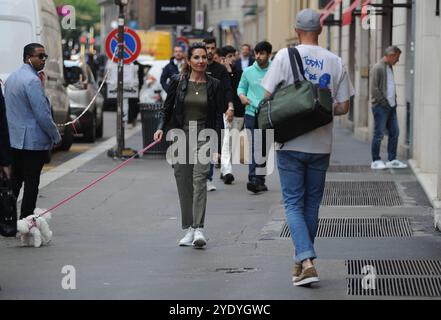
pixel 329 9
pixel 347 14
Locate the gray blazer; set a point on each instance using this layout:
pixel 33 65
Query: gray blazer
pixel 28 111
pixel 379 84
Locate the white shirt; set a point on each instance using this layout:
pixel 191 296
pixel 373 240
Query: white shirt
pixel 321 67
pixel 245 63
pixel 391 89
pixel 179 64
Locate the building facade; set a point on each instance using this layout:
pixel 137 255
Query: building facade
pixel 255 21
pixel 426 147
pixel 415 27
pixel 224 19
pixel 281 16
pixel 361 44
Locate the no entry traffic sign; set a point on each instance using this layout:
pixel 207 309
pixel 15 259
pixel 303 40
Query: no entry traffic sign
pixel 183 43
pixel 132 45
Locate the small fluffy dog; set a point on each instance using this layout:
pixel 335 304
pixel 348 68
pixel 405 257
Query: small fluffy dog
pixel 34 230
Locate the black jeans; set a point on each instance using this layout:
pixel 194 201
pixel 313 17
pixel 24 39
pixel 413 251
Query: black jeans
pixel 251 124
pixel 133 110
pixel 26 168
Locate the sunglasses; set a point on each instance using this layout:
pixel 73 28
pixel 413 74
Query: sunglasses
pixel 42 56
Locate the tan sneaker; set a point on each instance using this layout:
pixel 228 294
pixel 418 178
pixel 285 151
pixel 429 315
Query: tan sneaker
pixel 307 277
pixel 296 271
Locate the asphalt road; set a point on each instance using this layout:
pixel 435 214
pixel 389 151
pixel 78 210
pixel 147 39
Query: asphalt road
pixel 119 239
pixel 79 146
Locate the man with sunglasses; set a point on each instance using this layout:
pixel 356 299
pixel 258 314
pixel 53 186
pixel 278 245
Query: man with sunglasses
pixel 31 127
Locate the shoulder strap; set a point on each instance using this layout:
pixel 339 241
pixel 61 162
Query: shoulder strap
pixel 291 53
pixel 299 62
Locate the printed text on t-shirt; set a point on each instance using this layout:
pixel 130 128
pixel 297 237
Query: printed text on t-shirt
pixel 314 63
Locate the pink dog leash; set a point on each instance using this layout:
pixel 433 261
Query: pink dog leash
pixel 141 152
pixel 32 223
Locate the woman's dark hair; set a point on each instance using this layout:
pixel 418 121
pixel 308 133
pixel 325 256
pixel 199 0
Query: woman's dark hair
pixel 194 46
pixel 191 49
pixel 264 46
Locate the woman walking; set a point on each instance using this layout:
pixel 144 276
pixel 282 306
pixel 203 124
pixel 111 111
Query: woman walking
pixel 197 98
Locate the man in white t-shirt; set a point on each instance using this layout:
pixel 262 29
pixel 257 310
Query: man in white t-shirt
pixel 304 161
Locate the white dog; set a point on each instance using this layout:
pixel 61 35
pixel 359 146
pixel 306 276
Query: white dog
pixel 34 230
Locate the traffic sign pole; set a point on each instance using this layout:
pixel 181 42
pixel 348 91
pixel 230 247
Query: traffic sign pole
pixel 120 97
pixel 128 44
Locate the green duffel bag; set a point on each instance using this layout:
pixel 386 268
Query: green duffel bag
pixel 296 109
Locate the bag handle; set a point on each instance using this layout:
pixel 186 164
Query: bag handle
pixel 293 52
pixel 299 62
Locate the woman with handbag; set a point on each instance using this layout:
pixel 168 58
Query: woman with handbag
pixel 193 98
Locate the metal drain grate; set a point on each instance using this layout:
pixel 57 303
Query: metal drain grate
pixel 361 193
pixel 285 233
pixel 359 228
pixel 350 169
pixel 397 287
pixel 395 267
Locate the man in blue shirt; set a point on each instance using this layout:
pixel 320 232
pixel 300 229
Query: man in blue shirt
pixel 32 130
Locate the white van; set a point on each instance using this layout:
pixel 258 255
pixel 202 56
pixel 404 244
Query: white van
pixel 27 21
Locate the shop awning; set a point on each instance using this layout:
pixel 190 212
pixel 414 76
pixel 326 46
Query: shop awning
pixel 346 19
pixel 347 14
pixel 228 24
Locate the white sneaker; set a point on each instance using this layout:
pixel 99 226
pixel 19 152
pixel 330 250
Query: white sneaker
pixel 187 241
pixel 199 241
pixel 210 186
pixel 378 165
pixel 396 164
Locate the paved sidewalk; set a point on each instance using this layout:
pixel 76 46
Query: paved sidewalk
pixel 121 237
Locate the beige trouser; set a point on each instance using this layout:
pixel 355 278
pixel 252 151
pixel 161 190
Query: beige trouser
pixel 191 180
pixel 227 145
